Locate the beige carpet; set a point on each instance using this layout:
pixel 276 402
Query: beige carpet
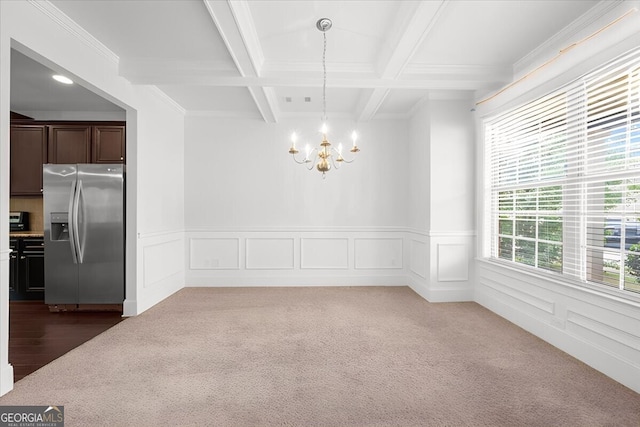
pixel 322 357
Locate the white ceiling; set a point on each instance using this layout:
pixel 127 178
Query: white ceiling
pixel 262 58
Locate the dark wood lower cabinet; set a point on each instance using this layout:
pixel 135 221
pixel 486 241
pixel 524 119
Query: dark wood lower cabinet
pixel 27 270
pixel 13 267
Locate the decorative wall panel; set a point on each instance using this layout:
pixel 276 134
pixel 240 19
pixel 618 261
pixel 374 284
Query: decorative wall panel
pixel 324 253
pixel 269 254
pixel 453 262
pixel 378 253
pixel 214 253
pixel 418 258
pixel 162 260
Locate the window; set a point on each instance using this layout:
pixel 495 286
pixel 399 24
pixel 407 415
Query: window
pixel 564 178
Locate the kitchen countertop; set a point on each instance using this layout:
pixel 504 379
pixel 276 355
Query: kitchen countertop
pixel 26 234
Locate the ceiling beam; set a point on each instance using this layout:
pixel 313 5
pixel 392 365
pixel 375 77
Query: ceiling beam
pixel 236 27
pixel 425 82
pixel 408 33
pixel 198 73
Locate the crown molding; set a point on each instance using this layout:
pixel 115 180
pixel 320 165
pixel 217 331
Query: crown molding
pixel 567 33
pixel 152 67
pixel 74 29
pixel 491 72
pixel 392 116
pixel 170 101
pixel 316 115
pixel 223 114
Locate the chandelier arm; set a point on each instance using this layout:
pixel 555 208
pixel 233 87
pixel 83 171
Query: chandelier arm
pixel 312 158
pixel 336 165
pixel 312 163
pixel 298 161
pixel 340 156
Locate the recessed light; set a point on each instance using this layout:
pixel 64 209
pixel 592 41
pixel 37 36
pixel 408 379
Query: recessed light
pixel 63 79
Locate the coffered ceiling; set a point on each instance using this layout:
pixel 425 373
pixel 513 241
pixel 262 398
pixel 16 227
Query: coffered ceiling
pixel 263 58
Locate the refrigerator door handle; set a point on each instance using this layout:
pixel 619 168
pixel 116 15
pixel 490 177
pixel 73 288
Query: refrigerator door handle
pixel 72 230
pixel 79 247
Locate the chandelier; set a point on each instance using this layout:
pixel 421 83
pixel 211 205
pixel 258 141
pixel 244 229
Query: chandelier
pixel 324 156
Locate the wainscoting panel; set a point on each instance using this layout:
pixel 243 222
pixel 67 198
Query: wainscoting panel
pixel 214 253
pixel 595 326
pixel 418 258
pixel 162 260
pixel 341 256
pixel 516 296
pixel 619 336
pixel 453 262
pixel 160 271
pixel 270 254
pixel 296 256
pixel 378 253
pixel 324 253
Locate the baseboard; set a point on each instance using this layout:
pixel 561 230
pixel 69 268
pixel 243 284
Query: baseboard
pixel 129 308
pixel 6 379
pixel 440 294
pixel 151 298
pixel 195 282
pixel 148 297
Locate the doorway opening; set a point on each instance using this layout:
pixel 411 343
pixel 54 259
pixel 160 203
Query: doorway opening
pixel 50 123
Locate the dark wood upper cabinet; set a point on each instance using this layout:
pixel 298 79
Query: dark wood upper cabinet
pixel 34 143
pixel 28 154
pixel 108 144
pixel 69 144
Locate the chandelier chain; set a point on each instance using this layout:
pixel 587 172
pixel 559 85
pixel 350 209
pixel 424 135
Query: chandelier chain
pixel 324 78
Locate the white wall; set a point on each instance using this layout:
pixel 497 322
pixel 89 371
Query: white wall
pixel 600 328
pixel 442 223
pixel 159 201
pixel 254 217
pixel 419 169
pixel 155 153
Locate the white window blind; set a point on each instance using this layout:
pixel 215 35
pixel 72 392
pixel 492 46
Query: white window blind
pixel 565 179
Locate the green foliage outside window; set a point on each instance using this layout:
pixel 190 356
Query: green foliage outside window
pixel 526 234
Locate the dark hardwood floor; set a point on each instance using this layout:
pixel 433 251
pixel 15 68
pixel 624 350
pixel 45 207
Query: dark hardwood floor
pixel 37 336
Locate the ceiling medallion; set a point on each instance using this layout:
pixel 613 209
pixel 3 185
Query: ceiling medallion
pixel 322 157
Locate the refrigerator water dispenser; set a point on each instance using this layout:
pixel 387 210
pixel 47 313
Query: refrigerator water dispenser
pixel 59 226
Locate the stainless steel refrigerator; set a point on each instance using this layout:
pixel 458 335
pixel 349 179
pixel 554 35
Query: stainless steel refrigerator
pixel 84 233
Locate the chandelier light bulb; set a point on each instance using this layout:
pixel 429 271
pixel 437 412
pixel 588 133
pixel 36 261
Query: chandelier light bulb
pixel 354 137
pixel 294 138
pixel 340 149
pixel 324 129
